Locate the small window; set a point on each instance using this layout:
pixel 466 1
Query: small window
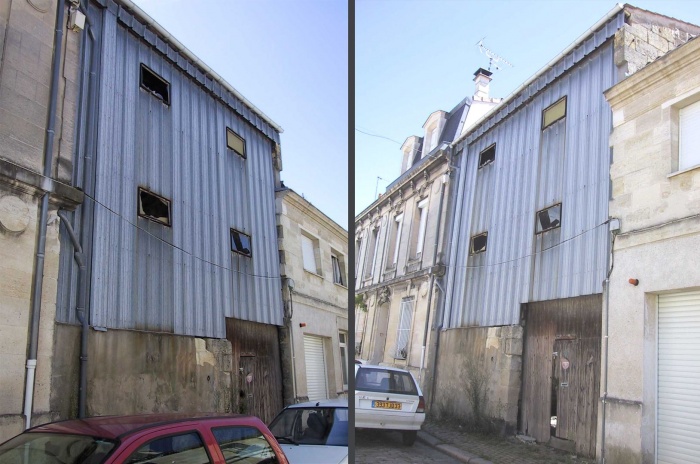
pixel 156 85
pixel 310 253
pixel 478 243
pixel 548 219
pixel 154 207
pixel 240 243
pixel 554 113
pixel 343 344
pixel 235 142
pixel 178 448
pixel 487 156
pixel 246 445
pixel 338 267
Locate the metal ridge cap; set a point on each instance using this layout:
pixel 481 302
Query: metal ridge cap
pixel 616 9
pixel 131 6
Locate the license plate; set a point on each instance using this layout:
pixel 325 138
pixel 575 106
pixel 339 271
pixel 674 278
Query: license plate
pixel 386 405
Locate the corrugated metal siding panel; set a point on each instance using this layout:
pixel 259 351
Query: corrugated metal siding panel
pixel 179 152
pixel 567 62
pixel 214 88
pixel 534 170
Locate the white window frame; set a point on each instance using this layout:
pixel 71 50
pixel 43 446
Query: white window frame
pixel 338 264
pixel 403 332
pixel 310 263
pixel 343 346
pixel 423 222
pixel 399 225
pixel 689 136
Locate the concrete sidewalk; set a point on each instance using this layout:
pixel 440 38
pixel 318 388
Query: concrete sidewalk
pixel 472 448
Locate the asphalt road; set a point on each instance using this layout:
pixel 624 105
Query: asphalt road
pixel 385 447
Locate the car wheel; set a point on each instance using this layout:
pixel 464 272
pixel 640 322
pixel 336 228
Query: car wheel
pixel 409 437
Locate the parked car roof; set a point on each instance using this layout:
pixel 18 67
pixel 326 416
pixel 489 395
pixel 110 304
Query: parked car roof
pixel 113 427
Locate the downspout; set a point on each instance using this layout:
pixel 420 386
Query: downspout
pixel 43 216
pixel 80 311
pixel 432 277
pixel 609 265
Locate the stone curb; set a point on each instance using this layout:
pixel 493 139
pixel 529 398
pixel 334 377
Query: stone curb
pixel 450 450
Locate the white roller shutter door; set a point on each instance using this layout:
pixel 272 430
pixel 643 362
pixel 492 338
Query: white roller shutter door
pixel 678 413
pixel 316 387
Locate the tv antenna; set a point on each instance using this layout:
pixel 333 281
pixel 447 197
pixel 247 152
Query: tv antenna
pixel 494 59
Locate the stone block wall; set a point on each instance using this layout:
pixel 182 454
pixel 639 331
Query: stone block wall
pixel 492 352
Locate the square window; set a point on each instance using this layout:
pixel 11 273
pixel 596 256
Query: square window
pixel 554 113
pixel 235 142
pixel 478 243
pixel 548 219
pixel 156 85
pixel 487 156
pixel 154 207
pixel 241 243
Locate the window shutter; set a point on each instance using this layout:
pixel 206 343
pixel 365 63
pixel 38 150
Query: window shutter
pixel 689 136
pixel 307 249
pixel 421 227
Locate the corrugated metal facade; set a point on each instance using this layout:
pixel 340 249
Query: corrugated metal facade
pixel 567 163
pixel 138 279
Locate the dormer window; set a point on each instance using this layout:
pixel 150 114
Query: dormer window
pixel 433 138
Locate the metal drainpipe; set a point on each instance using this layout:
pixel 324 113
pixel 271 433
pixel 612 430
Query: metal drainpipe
pixel 605 349
pixel 41 242
pixel 432 279
pixel 80 310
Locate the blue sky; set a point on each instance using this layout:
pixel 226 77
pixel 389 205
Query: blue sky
pixel 290 59
pixel 414 57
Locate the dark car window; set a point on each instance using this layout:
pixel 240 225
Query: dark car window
pixel 244 445
pixel 55 448
pixel 312 426
pixel 186 448
pixel 385 381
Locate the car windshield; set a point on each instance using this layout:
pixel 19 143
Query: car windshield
pixel 385 381
pixel 55 448
pixel 312 426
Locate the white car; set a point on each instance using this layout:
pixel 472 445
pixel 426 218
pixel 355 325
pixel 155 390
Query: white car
pixel 388 398
pixel 315 432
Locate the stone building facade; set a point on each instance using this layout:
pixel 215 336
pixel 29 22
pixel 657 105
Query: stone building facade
pixel 650 361
pixel 314 267
pixel 26 53
pixel 400 243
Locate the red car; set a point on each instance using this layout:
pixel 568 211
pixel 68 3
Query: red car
pixel 147 439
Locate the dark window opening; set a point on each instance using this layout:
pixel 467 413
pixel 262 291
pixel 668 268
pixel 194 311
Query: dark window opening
pixel 156 85
pixel 154 207
pixel 240 243
pixel 548 218
pixel 478 243
pixel 487 156
pixel 235 142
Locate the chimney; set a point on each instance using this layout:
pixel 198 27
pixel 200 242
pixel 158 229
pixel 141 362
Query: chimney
pixel 482 78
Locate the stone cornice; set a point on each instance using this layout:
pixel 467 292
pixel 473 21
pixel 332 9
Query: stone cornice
pixel 654 73
pixel 34 183
pixel 299 202
pixel 386 198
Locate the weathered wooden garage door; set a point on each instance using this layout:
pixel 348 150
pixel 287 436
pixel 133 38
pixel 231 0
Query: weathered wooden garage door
pixel 561 372
pixel 678 419
pixel 257 371
pixel 316 384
